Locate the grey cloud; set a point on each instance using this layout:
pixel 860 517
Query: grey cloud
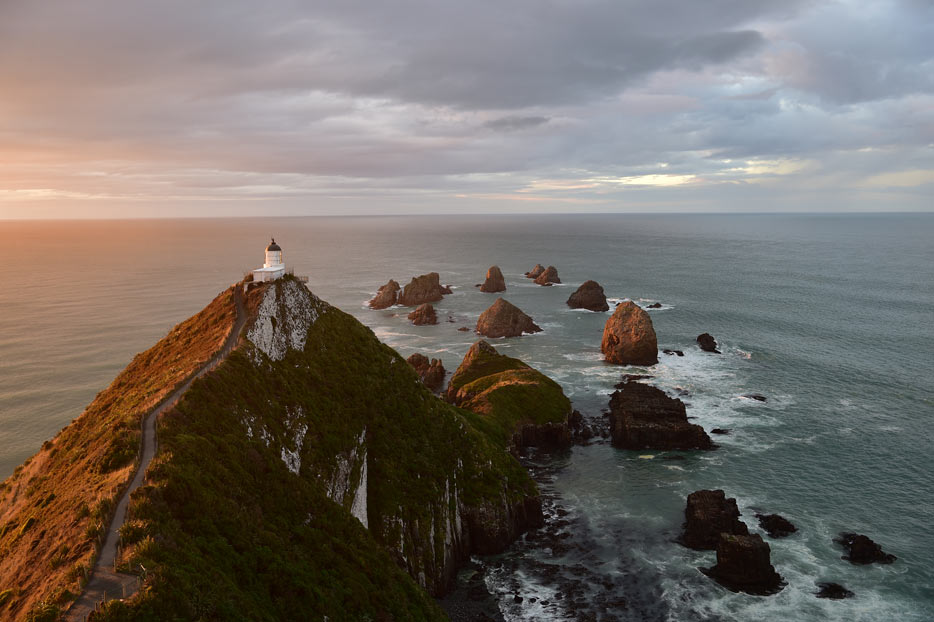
pixel 512 123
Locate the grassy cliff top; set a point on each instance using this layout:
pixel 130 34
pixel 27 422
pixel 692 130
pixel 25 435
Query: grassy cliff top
pixel 506 392
pixel 55 505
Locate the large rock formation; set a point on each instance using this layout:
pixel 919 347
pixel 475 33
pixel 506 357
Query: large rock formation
pixel 431 372
pixel 548 276
pixel 589 296
pixel 709 513
pixel 862 550
pixel 628 337
pixel 643 417
pixel 422 289
pixel 331 473
pixel 535 272
pixel 744 565
pixel 423 315
pixel 527 406
pixel 386 296
pixel 494 281
pixel 707 343
pixel 504 319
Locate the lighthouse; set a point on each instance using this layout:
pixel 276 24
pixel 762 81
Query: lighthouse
pixel 273 268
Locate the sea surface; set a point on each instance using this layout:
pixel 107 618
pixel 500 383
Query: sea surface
pixel 831 317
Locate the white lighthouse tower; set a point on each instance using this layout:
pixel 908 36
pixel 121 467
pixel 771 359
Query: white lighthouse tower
pixel 273 268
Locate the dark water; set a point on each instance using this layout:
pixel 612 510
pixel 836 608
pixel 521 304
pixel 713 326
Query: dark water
pixel 830 317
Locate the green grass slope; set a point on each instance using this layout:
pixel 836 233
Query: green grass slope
pixel 55 506
pixel 318 479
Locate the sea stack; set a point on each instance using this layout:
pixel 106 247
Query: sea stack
pixel 707 343
pixel 535 272
pixel 709 513
pixel 629 338
pixel 548 277
pixel 422 289
pixel 589 296
pixel 643 417
pixel 386 296
pixel 744 565
pixel 494 281
pixel 431 372
pixel 423 315
pixel 504 319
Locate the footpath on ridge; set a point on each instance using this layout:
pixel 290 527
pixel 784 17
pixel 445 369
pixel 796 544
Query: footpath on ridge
pixel 105 583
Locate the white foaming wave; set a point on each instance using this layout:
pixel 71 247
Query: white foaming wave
pixel 584 356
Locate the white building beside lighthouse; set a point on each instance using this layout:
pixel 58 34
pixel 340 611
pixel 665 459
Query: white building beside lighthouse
pixel 273 268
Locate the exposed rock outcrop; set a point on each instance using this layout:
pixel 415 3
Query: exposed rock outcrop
pixel 744 565
pixel 494 281
pixel 504 319
pixel 589 296
pixel 431 372
pixel 655 305
pixel 548 277
pixel 709 513
pixel 629 337
pixel 834 591
pixel 529 408
pixel 386 296
pixel 422 289
pixel 423 315
pixel 643 417
pixel 862 550
pixel 535 272
pixel 707 343
pixel 775 525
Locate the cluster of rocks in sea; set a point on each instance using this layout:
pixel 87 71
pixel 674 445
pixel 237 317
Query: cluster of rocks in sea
pixel 639 417
pixel 712 522
pixel 421 289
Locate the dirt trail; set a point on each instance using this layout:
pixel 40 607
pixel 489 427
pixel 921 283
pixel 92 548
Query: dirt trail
pixel 105 583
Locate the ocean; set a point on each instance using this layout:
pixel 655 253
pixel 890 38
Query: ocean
pixel 831 317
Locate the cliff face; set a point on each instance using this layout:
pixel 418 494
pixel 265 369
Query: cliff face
pixel 312 474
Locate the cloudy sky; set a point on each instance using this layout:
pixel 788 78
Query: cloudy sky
pixel 229 107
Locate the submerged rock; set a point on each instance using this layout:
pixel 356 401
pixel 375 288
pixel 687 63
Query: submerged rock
pixel 549 276
pixel 744 565
pixel 535 272
pixel 494 281
pixel 776 526
pixel 589 296
pixel 720 431
pixel 862 550
pixel 709 513
pixel 424 315
pixel 655 305
pixel 833 591
pixel 644 417
pixel 386 296
pixel 422 289
pixel 707 343
pixel 629 337
pixel 755 396
pixel 673 352
pixel 504 319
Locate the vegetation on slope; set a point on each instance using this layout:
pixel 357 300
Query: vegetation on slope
pixel 506 392
pixel 56 505
pixel 247 514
